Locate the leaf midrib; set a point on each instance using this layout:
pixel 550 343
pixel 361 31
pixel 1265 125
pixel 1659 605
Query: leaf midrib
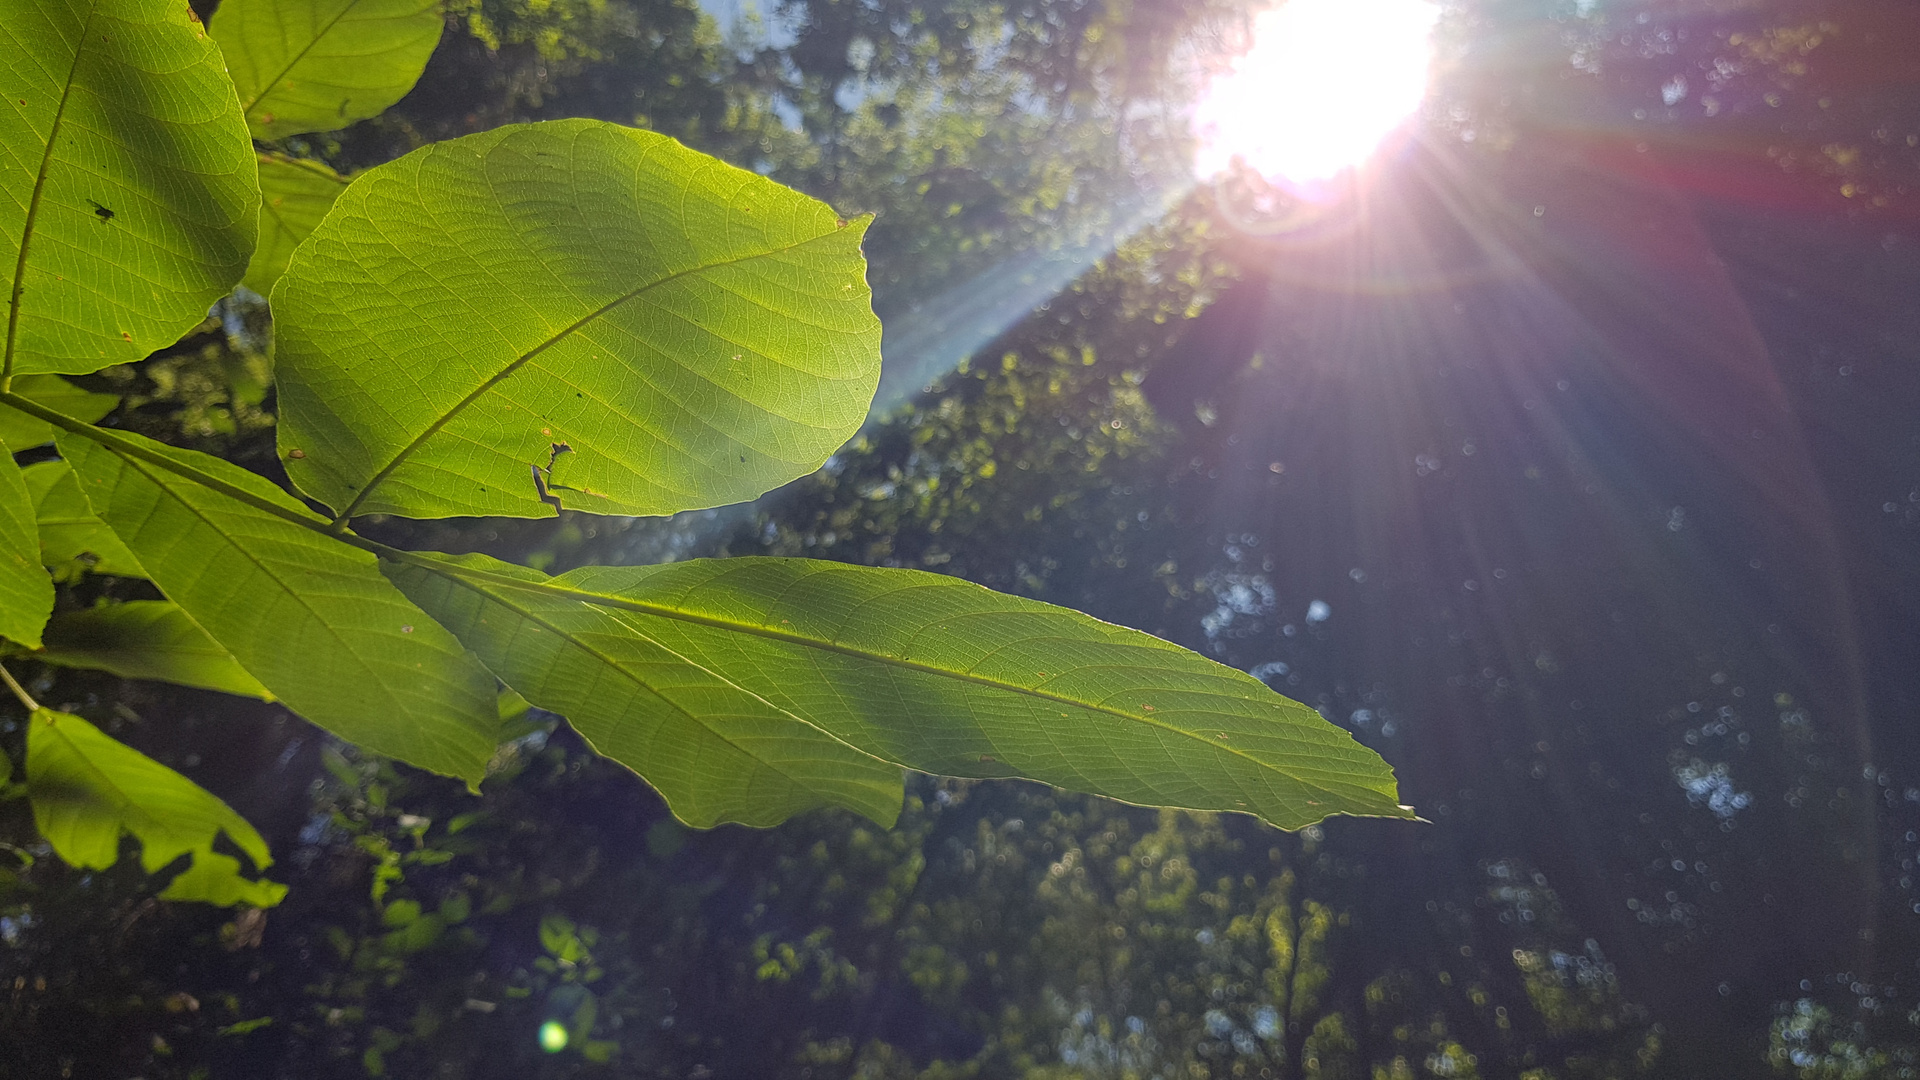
pixel 663 611
pixel 267 86
pixel 400 457
pixel 33 204
pixel 615 665
pixel 344 643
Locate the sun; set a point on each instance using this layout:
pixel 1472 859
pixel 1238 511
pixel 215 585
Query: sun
pixel 1325 82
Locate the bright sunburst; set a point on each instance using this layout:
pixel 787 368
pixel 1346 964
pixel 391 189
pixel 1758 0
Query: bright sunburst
pixel 1324 83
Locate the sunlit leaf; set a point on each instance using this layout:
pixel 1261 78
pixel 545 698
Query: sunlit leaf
pixel 308 616
pixel 937 674
pixel 87 789
pixel 294 196
pixel 665 330
pixel 716 752
pixel 22 432
pixel 126 179
pixel 146 639
pixel 26 592
pixel 319 65
pixel 68 528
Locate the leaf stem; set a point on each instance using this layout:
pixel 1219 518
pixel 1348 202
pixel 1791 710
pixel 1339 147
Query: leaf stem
pixel 121 444
pixel 18 690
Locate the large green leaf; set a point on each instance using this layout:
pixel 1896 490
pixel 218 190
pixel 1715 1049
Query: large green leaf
pixel 319 65
pixel 69 530
pixel 662 329
pixel 88 788
pixel 26 592
pixel 715 751
pixel 127 195
pixel 146 639
pixel 294 196
pixel 21 432
pixel 938 674
pixel 308 616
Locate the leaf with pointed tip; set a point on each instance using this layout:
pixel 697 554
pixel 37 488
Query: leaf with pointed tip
pixel 319 65
pixel 146 639
pixel 944 676
pixel 26 592
pixel 294 196
pixel 22 432
pixel 88 788
pixel 644 328
pixel 714 751
pixel 127 193
pixel 69 530
pixel 308 616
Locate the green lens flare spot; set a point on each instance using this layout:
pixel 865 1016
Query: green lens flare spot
pixel 553 1036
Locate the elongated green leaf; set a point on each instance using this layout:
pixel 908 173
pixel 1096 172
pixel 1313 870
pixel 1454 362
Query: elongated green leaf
pixel 146 639
pixel 319 65
pixel 715 751
pixel 22 432
pixel 294 196
pixel 665 330
pixel 940 675
pixel 309 617
pixel 127 194
pixel 68 528
pixel 88 788
pixel 26 592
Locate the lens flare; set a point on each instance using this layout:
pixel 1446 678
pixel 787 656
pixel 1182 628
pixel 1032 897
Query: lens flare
pixel 1325 82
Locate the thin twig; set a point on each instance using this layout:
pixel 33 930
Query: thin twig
pixel 18 690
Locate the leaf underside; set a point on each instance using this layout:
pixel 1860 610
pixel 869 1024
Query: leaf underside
pixel 146 639
pixel 944 676
pixel 714 751
pixel 26 593
pixel 638 327
pixel 309 617
pixel 87 789
pixel 127 193
pixel 69 530
pixel 294 196
pixel 22 432
pixel 320 65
